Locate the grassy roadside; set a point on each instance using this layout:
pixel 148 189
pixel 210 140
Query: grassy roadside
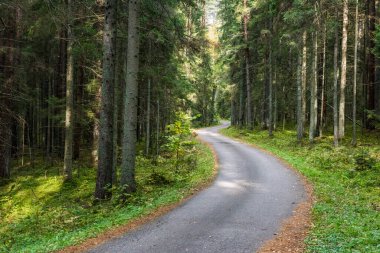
pixel 40 213
pixel 346 217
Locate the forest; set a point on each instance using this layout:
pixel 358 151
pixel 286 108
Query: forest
pixel 103 106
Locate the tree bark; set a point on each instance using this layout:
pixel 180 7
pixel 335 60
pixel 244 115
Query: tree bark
pixel 323 85
pixel 299 98
pixel 343 77
pixel 313 93
pixel 270 97
pixel 371 63
pixel 304 79
pixel 6 88
pixel 68 159
pixel 106 145
pixel 131 100
pixel 247 71
pixel 354 141
pixel 336 77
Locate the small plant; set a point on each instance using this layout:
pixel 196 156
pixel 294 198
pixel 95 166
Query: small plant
pixel 364 161
pixel 179 140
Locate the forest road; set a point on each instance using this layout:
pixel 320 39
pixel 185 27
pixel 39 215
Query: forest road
pixel 252 194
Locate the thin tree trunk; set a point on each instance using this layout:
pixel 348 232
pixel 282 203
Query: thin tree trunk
pixel 343 77
pixel 270 107
pixel 336 77
pixel 354 141
pixel 158 129
pixel 148 112
pixel 105 166
pixel 148 107
pixel 131 100
pixel 322 115
pixel 247 72
pixel 68 159
pixel 299 98
pixel 371 63
pixel 313 93
pixel 304 79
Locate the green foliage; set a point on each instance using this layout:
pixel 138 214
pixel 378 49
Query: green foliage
pixel 346 216
pixel 364 160
pixel 180 143
pixel 63 213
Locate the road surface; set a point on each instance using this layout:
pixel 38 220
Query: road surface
pixel 252 194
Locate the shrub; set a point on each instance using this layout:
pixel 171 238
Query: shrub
pixel 364 160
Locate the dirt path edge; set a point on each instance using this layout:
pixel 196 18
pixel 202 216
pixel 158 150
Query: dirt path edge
pixel 294 230
pixel 144 219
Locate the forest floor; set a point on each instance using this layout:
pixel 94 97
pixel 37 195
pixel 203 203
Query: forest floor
pixel 346 182
pixel 39 212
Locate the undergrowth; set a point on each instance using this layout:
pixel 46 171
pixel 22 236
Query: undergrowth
pixel 39 212
pixel 346 216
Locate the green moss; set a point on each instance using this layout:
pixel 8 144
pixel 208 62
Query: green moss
pixel 347 212
pixel 39 212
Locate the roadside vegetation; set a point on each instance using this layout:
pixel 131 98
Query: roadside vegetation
pixel 41 212
pixel 346 180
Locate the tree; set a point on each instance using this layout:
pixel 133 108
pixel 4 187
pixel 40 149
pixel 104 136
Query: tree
pixel 343 77
pixel 130 105
pixel 336 77
pixel 69 120
pixel 314 86
pixel 247 65
pixel 9 57
pixel 106 144
pixel 354 140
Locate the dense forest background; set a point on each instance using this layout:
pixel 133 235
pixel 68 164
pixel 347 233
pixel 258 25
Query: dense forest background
pixel 95 79
pixel 97 93
pixel 64 72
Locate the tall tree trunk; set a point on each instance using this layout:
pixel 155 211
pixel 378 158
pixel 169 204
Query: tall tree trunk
pixel 6 89
pixel 105 166
pixel 247 71
pixel 148 106
pixel 323 85
pixel 78 130
pixel 120 70
pixel 313 93
pixel 371 62
pixel 304 79
pixel 68 159
pixel 148 112
pixel 299 98
pixel 354 141
pixel 343 77
pixel 270 97
pixel 336 77
pixel 131 100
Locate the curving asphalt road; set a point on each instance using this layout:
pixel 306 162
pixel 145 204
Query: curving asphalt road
pixel 252 194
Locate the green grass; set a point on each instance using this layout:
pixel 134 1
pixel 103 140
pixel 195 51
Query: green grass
pixel 39 212
pixel 346 216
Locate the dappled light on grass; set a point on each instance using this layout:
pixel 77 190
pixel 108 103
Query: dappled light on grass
pixel 63 213
pixel 346 182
